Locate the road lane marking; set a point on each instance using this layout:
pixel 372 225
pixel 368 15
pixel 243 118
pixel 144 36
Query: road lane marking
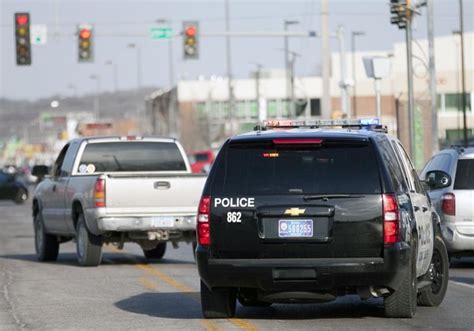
pixel 148 283
pixel 210 326
pixel 244 325
pixel 462 284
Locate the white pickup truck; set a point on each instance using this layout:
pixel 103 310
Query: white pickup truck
pixel 116 190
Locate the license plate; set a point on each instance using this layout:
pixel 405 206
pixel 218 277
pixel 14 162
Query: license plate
pixel 162 222
pixel 295 228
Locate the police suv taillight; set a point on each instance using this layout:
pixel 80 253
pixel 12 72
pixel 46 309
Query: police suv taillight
pixel 391 219
pixel 203 217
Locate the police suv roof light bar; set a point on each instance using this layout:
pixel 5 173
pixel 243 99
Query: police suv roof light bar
pixel 372 124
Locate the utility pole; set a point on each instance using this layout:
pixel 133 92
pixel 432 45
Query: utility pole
pixel 325 60
pixel 434 110
pixel 354 90
pixel 463 78
pixel 258 73
pixel 288 71
pixel 229 69
pixel 292 83
pixel 411 100
pixel 343 82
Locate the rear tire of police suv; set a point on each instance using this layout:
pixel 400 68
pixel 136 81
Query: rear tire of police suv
pixel 88 245
pixel 433 295
pixel 402 302
pixel 218 302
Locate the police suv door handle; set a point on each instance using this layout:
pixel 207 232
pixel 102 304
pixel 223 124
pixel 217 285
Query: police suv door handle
pixel 162 185
pixel 425 209
pixel 416 208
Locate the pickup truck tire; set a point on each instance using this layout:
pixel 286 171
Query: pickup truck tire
pixel 218 302
pixel 46 245
pixel 438 274
pixel 88 246
pixel 402 302
pixel 156 253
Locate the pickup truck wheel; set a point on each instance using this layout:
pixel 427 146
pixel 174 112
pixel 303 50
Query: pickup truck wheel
pixel 156 253
pixel 218 303
pixel 402 302
pixel 438 274
pixel 88 246
pixel 46 245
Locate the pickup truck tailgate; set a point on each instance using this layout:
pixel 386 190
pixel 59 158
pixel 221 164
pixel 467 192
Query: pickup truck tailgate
pixel 153 193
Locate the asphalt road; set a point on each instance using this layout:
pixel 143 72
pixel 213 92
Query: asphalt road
pixel 127 292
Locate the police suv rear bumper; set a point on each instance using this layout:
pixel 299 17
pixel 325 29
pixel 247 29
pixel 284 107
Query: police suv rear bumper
pixel 306 274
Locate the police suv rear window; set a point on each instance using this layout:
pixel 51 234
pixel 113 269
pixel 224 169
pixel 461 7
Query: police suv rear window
pixel 267 169
pixel 465 175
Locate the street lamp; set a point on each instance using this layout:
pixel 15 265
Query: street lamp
pixel 354 34
pixel 139 63
pixel 377 67
pixel 288 70
pixel 114 68
pixel 97 92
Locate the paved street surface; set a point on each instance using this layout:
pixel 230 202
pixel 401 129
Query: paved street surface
pixel 127 292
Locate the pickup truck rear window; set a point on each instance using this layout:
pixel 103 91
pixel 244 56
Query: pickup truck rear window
pixel 282 170
pixel 464 175
pixel 131 156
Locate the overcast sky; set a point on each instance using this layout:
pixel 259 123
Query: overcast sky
pixel 55 64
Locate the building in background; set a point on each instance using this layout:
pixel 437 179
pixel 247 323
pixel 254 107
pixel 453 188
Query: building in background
pixel 199 110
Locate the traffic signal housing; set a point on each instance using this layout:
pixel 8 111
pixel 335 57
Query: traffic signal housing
pixel 85 43
pixel 22 39
pixel 191 46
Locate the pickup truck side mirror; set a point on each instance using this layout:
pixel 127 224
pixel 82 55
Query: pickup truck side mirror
pixel 437 179
pixel 40 170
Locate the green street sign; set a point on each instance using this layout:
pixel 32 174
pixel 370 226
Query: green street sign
pixel 164 32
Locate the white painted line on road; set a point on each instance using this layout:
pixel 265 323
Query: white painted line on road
pixel 462 284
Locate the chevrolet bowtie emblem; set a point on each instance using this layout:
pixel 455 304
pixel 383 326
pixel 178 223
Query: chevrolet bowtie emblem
pixel 294 211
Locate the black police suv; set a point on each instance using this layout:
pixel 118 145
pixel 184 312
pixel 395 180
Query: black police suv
pixel 303 212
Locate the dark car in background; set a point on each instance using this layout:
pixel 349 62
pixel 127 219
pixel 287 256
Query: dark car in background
pixel 12 189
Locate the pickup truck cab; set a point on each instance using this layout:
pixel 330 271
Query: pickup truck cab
pixel 116 190
pixel 305 211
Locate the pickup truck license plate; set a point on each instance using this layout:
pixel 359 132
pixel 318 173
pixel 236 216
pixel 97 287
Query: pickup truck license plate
pixel 162 221
pixel 295 228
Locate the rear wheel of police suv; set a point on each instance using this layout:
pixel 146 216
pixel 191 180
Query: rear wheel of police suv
pixel 156 253
pixel 438 274
pixel 218 302
pixel 46 245
pixel 88 245
pixel 402 302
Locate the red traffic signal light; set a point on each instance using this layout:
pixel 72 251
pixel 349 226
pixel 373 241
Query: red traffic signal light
pixel 190 34
pixel 22 19
pixel 190 31
pixel 85 42
pixel 85 34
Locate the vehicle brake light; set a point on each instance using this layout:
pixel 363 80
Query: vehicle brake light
pixel 391 218
pixel 297 141
pixel 448 204
pixel 99 193
pixel 203 229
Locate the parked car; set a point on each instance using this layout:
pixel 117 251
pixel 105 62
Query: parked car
pixel 453 198
pixel 201 161
pixel 300 212
pixel 117 190
pixel 12 189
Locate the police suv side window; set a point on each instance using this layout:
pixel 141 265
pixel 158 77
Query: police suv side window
pixel 414 181
pixel 388 155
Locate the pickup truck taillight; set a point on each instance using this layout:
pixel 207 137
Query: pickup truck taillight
pixel 99 192
pixel 391 219
pixel 204 212
pixel 448 204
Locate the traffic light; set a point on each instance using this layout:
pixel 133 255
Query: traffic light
pixel 85 42
pixel 190 47
pixel 401 11
pixel 22 39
